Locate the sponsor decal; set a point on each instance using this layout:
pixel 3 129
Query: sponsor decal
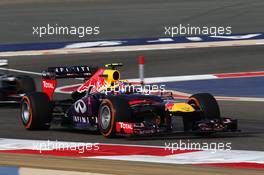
pixel 80 106
pixel 94 82
pixel 79 119
pixel 73 69
pixel 126 127
pixel 169 106
pixel 48 85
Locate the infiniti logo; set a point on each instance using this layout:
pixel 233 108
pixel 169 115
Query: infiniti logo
pixel 80 106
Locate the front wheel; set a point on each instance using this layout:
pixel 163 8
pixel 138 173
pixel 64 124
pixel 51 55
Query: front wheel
pixel 106 118
pixel 36 111
pixel 207 104
pixel 112 110
pixel 207 109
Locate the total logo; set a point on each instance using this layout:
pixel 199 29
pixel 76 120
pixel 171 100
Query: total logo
pixel 126 125
pixel 48 85
pixel 80 106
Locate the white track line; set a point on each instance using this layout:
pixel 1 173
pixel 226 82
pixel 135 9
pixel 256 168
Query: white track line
pixel 176 78
pixel 135 48
pixel 222 98
pixel 20 71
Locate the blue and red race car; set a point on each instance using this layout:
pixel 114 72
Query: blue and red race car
pixel 118 107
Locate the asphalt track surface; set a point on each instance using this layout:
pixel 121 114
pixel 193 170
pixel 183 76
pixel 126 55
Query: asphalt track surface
pixel 120 19
pixel 159 63
pixel 135 19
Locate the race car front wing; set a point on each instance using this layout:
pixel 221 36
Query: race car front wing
pixel 202 126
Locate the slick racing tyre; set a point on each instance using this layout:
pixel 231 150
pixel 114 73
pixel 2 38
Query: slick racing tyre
pixel 207 104
pixel 208 109
pixel 36 111
pixel 113 109
pixel 25 84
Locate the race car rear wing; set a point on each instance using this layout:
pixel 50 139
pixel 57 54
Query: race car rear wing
pixel 50 76
pixel 92 75
pixel 69 72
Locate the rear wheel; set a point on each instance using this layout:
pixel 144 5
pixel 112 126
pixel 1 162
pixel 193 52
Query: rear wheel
pixel 36 111
pixel 25 84
pixel 112 110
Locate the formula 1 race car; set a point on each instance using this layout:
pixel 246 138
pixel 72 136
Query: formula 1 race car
pixel 13 88
pixel 116 107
